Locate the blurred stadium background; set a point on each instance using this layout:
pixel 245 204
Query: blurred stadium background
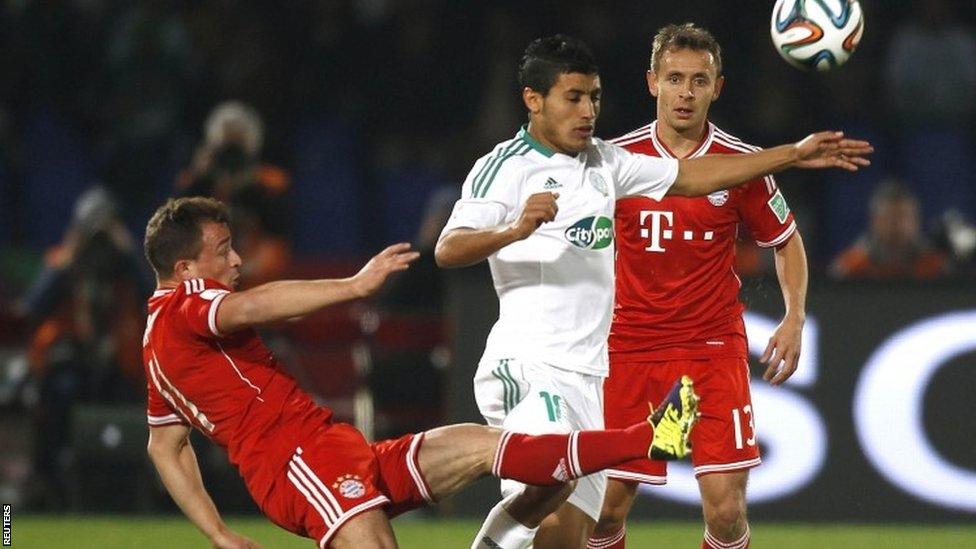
pixel 352 125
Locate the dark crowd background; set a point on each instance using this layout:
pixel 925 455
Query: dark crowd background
pixel 335 127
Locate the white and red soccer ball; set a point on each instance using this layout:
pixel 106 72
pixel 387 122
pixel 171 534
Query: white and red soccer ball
pixel 816 34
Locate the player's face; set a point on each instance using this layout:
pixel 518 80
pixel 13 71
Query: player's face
pixel 685 85
pixel 217 260
pixel 565 118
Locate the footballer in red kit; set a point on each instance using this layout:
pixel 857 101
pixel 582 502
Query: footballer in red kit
pixel 677 303
pixel 202 378
pixel 676 307
pixel 677 289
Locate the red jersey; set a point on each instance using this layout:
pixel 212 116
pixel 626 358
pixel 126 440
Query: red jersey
pixel 677 289
pixel 231 388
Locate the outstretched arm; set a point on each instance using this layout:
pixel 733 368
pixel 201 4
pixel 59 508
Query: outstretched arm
pixel 288 299
pixel 785 343
pixel 705 175
pixel 171 453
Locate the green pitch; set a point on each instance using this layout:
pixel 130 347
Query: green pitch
pixel 149 533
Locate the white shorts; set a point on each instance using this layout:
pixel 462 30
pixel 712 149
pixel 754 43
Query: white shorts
pixel 535 399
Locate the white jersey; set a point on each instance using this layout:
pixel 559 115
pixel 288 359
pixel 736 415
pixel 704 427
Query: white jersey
pixel 555 288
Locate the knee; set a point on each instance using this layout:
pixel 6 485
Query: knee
pixel 725 517
pixel 478 441
pixel 616 507
pixel 612 518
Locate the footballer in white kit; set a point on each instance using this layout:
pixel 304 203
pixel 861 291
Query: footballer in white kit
pixel 544 362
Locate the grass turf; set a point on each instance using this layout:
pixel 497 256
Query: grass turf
pixel 102 532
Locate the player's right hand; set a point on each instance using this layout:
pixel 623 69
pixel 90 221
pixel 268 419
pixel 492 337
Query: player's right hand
pixel 539 208
pixel 227 539
pixel 371 277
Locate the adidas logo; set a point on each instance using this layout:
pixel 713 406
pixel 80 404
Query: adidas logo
pixel 490 543
pixel 561 473
pixel 552 184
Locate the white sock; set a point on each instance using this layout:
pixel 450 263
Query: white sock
pixel 502 531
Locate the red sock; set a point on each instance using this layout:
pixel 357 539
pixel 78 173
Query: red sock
pixel 546 460
pixel 712 542
pixel 612 541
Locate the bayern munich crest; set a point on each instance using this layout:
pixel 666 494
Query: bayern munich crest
pixel 719 198
pixel 350 486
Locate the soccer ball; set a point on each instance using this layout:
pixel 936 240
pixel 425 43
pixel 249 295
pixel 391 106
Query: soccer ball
pixel 816 34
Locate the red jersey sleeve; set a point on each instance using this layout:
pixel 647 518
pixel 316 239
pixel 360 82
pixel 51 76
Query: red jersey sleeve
pixel 200 303
pixel 158 411
pixel 765 212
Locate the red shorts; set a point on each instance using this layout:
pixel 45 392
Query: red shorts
pixel 724 439
pixel 335 475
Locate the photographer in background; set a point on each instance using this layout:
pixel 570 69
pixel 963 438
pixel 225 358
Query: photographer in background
pixel 227 166
pixel 894 245
pixel 86 313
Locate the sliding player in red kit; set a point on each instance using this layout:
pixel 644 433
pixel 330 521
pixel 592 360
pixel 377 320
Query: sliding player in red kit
pixel 676 306
pixel 207 369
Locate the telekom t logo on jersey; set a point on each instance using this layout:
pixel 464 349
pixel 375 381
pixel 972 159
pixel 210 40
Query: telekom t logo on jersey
pixel 661 228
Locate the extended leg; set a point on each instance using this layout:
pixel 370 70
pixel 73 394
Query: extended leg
pixel 454 456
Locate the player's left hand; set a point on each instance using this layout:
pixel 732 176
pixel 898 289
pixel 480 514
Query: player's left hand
pixel 782 354
pixel 832 150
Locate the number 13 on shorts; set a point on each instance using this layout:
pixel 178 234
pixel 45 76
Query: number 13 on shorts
pixel 737 420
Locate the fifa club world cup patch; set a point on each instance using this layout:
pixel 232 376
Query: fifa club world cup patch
pixel 598 183
pixel 349 486
pixel 779 207
pixel 719 198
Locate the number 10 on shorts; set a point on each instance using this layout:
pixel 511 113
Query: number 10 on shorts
pixel 737 423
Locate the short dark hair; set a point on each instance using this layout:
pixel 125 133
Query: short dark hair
pixel 175 231
pixel 546 58
pixel 688 35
